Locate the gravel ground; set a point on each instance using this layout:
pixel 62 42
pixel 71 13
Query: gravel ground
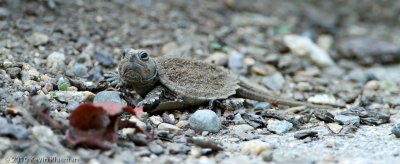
pixel 54 54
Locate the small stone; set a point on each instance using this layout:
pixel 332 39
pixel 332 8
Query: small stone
pixel 55 62
pixel 205 120
pixel 334 127
pixel 138 122
pixel 68 96
pixel 396 130
pixel 324 115
pixel 304 46
pixel 170 128
pixel 372 85
pixel 104 59
pixel 182 124
pixel 80 70
pixel 218 58
pixel 45 136
pixel 156 148
pixel 4 13
pixel 240 131
pixel 303 86
pixel 155 120
pixel 8 129
pixel 38 39
pixel 305 134
pixel 323 99
pixel 13 72
pixel 236 62
pixel 262 106
pixel 348 120
pixel 280 127
pixel 256 147
pixel 168 118
pixel 274 82
pixel 108 96
pixel 175 148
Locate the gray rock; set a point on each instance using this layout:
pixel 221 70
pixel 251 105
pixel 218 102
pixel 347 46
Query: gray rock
pixel 38 39
pixel 155 120
pixel 176 148
pixel 280 127
pixel 274 82
pixel 108 96
pixel 156 148
pixel 205 120
pixel 168 127
pixel 104 59
pixel 80 70
pixel 73 98
pixel 4 13
pixel 396 130
pixel 13 72
pixel 236 62
pixel 262 106
pixel 348 120
pixel 8 129
pixel 55 62
pixel 305 134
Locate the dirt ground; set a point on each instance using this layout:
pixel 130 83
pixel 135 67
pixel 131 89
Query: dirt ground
pixel 54 54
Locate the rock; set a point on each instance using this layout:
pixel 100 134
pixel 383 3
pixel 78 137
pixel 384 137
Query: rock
pixel 55 63
pixel 262 106
pixel 304 46
pixel 205 120
pixel 396 130
pixel 325 42
pixel 80 70
pixel 46 137
pixel 256 147
pixel 218 58
pixel 334 127
pixel 204 142
pixel 305 134
pixel 13 72
pixel 156 148
pixel 304 87
pixel 322 99
pixel 240 131
pixel 38 39
pixel 108 96
pixel 348 120
pixel 182 124
pixel 170 128
pixel 279 127
pixel 4 13
pixel 324 115
pixel 73 98
pixel 104 59
pixel 236 62
pixel 274 82
pixel 361 50
pixel 250 19
pixel 168 118
pixel 176 148
pixel 155 120
pixel 12 130
pixel 29 73
pixel 138 122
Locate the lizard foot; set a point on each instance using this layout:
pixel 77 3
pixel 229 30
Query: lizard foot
pixel 114 80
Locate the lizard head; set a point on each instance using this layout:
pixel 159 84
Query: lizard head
pixel 136 67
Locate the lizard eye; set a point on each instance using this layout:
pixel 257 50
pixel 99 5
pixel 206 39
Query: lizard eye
pixel 144 56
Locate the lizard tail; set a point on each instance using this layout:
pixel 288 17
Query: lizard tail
pixel 250 94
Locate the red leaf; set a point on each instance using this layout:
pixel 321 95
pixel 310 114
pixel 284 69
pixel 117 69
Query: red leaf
pixel 87 116
pixel 138 111
pixel 111 108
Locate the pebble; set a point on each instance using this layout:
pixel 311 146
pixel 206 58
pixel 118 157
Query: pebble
pixel 45 136
pixel 8 129
pixel 218 58
pixel 80 70
pixel 13 72
pixel 322 99
pixel 4 13
pixel 304 46
pixel 205 120
pixel 279 127
pixel 396 130
pixel 256 147
pixel 274 82
pixel 240 131
pixel 348 120
pixel 55 63
pixel 29 73
pixel 108 96
pixel 156 148
pixel 170 128
pixel 138 122
pixel 176 148
pixel 236 62
pixel 38 39
pixel 324 115
pixel 183 124
pixel 262 106
pixel 334 127
pixel 73 98
pixel 104 59
pixel 155 120
pixel 305 134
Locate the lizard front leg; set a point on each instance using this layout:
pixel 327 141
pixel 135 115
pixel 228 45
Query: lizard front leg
pixel 114 79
